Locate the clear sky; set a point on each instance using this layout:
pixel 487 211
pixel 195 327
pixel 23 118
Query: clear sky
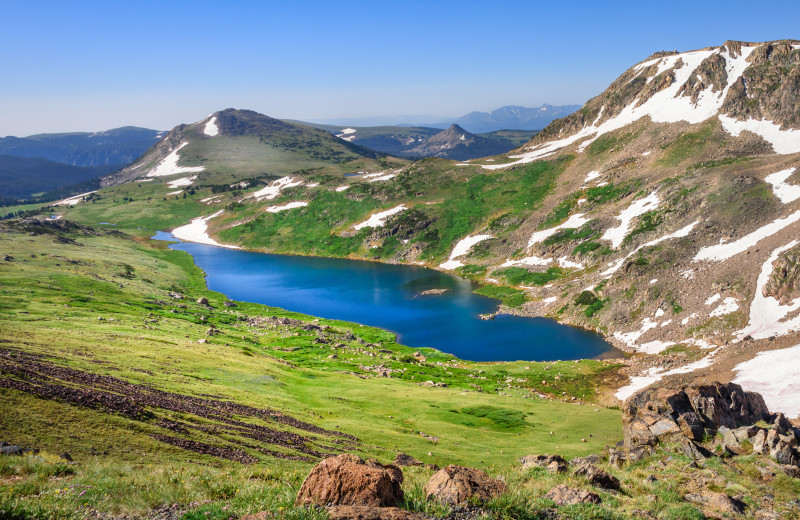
pixel 85 66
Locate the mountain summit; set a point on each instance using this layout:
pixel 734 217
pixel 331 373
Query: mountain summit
pixel 456 143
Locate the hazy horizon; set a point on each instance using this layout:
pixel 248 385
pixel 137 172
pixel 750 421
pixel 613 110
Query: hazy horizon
pixel 91 66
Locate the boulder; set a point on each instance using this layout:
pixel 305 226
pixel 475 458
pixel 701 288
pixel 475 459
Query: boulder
pixel 564 495
pixel 202 300
pixel 403 459
pixel 347 480
pixel 553 463
pixel 694 451
pixel 580 461
pixel 11 450
pixel 719 501
pixel 371 513
pixel 457 484
pixel 597 477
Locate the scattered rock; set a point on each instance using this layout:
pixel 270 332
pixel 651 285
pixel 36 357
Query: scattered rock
pixel 371 513
pixel 564 495
pixel 597 477
pixel 403 459
pixel 694 451
pixel 202 301
pixel 66 456
pixel 11 450
pixel 348 480
pixel 580 461
pixel 229 303
pixel 553 463
pixel 718 501
pixel 457 484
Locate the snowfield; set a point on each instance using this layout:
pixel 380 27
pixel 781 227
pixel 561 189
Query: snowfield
pixel 655 374
pixel 617 234
pixel 183 181
pixel 614 266
pixel 786 192
pixel 721 252
pixel 462 248
pixel 575 221
pixel 197 231
pixel 211 129
pixel 288 205
pixel 169 165
pixel 782 141
pixel 274 188
pixel 73 200
pixel 776 376
pixel 379 219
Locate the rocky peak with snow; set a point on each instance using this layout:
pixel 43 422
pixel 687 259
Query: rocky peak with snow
pixel 456 143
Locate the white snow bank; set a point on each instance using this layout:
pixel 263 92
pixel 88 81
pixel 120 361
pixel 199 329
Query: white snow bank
pixel 197 231
pixel 347 131
pixel 569 264
pixel 529 260
pixel 379 219
pixel 462 248
pixel 655 374
pixel 274 188
pixel 776 376
pixel 575 221
pixel 782 141
pixel 766 312
pixel 591 176
pixel 174 192
pixel 712 299
pixel 376 177
pixel 183 181
pixel 727 306
pixel 342 188
pixel 617 234
pixel 722 252
pixel 614 266
pixel 169 165
pixel 630 338
pixel 288 205
pixel 786 192
pixel 211 129
pixel 73 200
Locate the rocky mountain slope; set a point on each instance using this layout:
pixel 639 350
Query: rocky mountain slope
pixel 458 144
pixel 663 214
pixel 234 144
pixel 116 147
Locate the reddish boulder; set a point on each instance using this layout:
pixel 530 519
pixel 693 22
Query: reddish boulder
pixel 348 480
pixel 457 484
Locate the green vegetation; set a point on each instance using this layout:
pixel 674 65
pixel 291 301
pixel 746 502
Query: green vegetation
pixel 648 221
pixel 688 145
pixel 610 192
pixel 582 233
pixel 508 295
pixel 521 276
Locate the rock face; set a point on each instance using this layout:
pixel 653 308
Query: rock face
pixel 784 277
pixel 691 415
pixel 655 415
pixel 598 477
pixel 456 484
pixel 553 463
pixel 347 480
pixel 564 495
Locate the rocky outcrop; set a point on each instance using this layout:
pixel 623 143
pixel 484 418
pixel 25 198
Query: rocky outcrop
pixel 564 495
pixel 723 412
pixel 597 477
pixel 553 463
pixel 404 459
pixel 346 480
pixel 720 502
pixel 655 415
pixel 783 279
pixel 457 484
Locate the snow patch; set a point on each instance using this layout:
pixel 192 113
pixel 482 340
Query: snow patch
pixel 73 200
pixel 530 260
pixel 379 219
pixel 169 165
pixel 549 300
pixel 727 306
pixel 462 248
pixel 342 188
pixel 274 188
pixel 197 231
pixel 786 192
pixel 348 131
pixel 722 252
pixel 712 299
pixel 575 221
pixel 591 176
pixel 288 205
pixel 776 376
pixel 617 234
pixel 174 192
pixel 782 141
pixel 211 129
pixel 569 264
pixel 655 374
pixel 183 181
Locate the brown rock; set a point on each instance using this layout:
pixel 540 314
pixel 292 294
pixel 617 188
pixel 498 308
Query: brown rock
pixel 564 495
pixel 371 513
pixel 553 463
pixel 456 484
pixel 348 480
pixel 261 515
pixel 202 301
pixel 403 459
pixel 597 477
pixel 718 501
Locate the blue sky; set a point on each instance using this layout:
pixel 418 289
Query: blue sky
pixel 83 66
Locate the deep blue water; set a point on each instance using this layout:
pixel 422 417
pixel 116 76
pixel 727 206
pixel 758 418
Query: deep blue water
pixel 388 296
